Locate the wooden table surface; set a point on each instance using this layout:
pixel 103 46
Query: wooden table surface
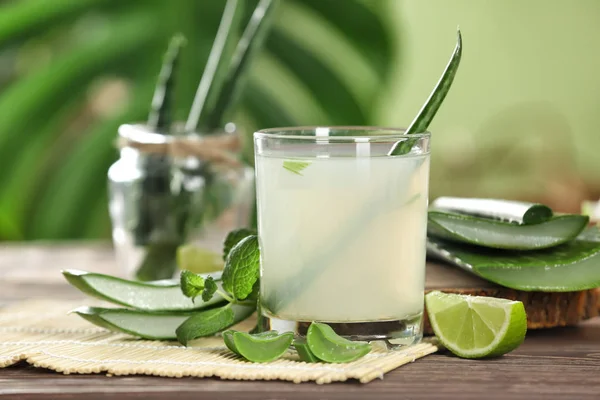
pixel 559 363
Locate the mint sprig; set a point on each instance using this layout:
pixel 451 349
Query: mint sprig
pixel 233 238
pixel 192 284
pixel 241 270
pixel 210 288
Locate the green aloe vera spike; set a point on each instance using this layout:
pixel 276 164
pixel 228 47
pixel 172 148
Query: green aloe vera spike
pixel 304 352
pixel 162 108
pixel 216 68
pixel 433 103
pixel 144 324
pixel 249 44
pixel 504 235
pixel 570 267
pixel 519 212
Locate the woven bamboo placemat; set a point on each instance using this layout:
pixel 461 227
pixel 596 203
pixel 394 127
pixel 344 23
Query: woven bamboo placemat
pixel 44 335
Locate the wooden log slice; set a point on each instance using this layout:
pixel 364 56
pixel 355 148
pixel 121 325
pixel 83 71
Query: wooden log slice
pixel 544 310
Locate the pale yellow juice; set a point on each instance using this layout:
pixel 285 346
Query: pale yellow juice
pixel 344 240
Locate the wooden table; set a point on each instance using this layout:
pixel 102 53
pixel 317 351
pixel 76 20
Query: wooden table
pixel 559 363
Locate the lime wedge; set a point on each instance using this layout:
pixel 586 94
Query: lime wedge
pixel 476 326
pixel 198 260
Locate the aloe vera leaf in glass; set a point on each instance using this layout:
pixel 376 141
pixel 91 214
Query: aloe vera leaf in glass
pixel 215 71
pixel 210 322
pixel 421 122
pixel 249 44
pixel 504 235
pixel 570 267
pixel 519 212
pixel 143 324
pixel 154 201
pixel 163 295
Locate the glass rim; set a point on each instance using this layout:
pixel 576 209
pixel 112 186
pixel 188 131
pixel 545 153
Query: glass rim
pixel 375 133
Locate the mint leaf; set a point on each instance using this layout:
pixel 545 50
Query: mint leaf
pixel 210 287
pixel 233 238
pixel 205 323
pixel 191 284
pixel 242 268
pixel 295 166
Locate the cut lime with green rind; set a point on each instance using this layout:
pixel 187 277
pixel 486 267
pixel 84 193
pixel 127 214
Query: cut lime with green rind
pixel 328 346
pixel 497 234
pixel 570 267
pixel 162 295
pixel 143 324
pixel 210 322
pixel 304 352
pixel 261 347
pixel 476 326
pixel 198 260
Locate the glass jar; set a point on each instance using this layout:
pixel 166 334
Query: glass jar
pixel 168 191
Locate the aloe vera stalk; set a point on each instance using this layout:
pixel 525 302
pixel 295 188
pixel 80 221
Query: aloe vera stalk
pixel 569 267
pixel 251 41
pixel 421 122
pixel 215 71
pixel 155 201
pixel 504 235
pixel 143 324
pixel 506 210
pixel 155 296
pixel 162 108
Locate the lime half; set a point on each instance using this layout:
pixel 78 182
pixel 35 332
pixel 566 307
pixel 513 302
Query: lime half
pixel 198 260
pixel 476 326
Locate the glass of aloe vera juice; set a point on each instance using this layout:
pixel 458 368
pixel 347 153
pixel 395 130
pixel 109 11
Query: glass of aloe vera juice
pixel 342 228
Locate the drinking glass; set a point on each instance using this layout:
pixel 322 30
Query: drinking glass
pixel 342 230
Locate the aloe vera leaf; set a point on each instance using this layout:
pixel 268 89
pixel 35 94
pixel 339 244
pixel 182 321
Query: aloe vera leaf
pixel 23 18
pixel 261 348
pixel 250 43
pixel 504 235
pixel 36 93
pixel 144 324
pixel 210 322
pixel 328 89
pixel 363 25
pixel 506 210
pixel 162 108
pixel 328 346
pixel 163 295
pixel 216 68
pixel 304 352
pixel 421 122
pixel 570 267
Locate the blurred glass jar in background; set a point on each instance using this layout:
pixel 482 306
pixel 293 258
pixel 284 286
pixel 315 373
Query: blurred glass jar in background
pixel 168 191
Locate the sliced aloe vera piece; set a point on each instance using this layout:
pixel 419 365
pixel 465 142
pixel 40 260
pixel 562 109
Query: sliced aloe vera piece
pixel 504 235
pixel 304 352
pixel 328 346
pixel 260 347
pixel 506 210
pixel 569 267
pixel 144 324
pixel 163 295
pixel 209 322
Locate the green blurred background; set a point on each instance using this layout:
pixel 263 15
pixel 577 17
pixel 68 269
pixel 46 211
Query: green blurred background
pixel 520 121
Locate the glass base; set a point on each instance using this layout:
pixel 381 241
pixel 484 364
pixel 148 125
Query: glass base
pixel 392 334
